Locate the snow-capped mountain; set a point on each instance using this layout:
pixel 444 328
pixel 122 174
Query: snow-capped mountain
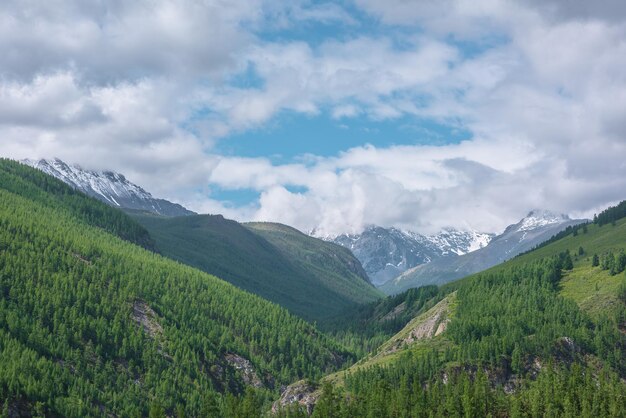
pixel 454 241
pixel 109 187
pixel 537 227
pixel 385 253
pixel 538 218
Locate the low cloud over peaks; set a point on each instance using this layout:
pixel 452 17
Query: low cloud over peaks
pixel 167 92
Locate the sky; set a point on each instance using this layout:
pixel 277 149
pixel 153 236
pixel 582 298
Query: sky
pixel 328 116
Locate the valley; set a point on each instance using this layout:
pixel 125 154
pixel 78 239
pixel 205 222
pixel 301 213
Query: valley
pixel 312 209
pixel 134 313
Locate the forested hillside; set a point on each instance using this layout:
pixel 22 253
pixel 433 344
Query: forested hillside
pixel 311 278
pixel 91 325
pixel 541 335
pixel 50 192
pixel 329 266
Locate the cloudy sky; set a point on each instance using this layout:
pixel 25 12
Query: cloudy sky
pixel 328 115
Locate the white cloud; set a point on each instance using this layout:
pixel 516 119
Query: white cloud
pixel 113 41
pixel 145 88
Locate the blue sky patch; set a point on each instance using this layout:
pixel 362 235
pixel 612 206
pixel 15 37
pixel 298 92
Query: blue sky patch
pixel 292 134
pixel 234 198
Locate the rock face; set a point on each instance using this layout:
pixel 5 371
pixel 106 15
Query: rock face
pixel 301 393
pixel 248 373
pixel 537 227
pixel 385 253
pixel 426 326
pixel 109 187
pixel 146 318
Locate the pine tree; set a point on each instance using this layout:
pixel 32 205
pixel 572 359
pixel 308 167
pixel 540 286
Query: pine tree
pixel 251 406
pixel 156 410
pixel 595 261
pixel 516 360
pixel 567 261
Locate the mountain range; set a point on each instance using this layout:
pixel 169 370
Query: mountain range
pixel 388 252
pixel 105 312
pixel 537 227
pixel 313 279
pixel 394 260
pixel 92 324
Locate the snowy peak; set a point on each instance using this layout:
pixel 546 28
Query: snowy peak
pixel 453 241
pixel 538 218
pixel 386 253
pixel 537 227
pixel 109 187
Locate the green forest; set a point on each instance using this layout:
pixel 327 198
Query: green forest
pixel 96 320
pixel 92 325
pixel 510 330
pixel 541 335
pixel 313 279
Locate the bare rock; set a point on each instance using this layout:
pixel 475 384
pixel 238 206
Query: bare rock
pixel 301 393
pixel 145 317
pixel 244 366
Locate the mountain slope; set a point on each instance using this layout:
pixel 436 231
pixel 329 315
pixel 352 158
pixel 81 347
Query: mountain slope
pixel 312 278
pixel 91 325
pixel 45 190
pixel 109 187
pixel 388 252
pixel 536 227
pixel 514 340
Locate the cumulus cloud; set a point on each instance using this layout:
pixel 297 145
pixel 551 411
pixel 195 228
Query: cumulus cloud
pixel 117 40
pixel 148 88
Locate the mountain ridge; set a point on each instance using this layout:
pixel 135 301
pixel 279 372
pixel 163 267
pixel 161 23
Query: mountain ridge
pixel 550 321
pixel 109 187
pixel 385 253
pixel 311 278
pixel 536 227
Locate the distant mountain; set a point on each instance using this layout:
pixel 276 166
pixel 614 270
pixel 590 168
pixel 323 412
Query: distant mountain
pixel 543 322
pixel 109 187
pixel 312 278
pixel 536 227
pixel 388 252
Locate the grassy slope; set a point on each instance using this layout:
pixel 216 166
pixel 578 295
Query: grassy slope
pixel 68 336
pixel 367 327
pixel 392 349
pixel 311 278
pixel 593 289
pixel 332 265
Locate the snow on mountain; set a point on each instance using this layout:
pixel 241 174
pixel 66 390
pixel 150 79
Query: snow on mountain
pixel 537 227
pixel 538 218
pixel 453 241
pixel 109 187
pixel 386 253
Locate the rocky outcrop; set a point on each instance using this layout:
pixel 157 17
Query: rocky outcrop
pixel 245 368
pixel 146 318
pixel 302 393
pixel 428 325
